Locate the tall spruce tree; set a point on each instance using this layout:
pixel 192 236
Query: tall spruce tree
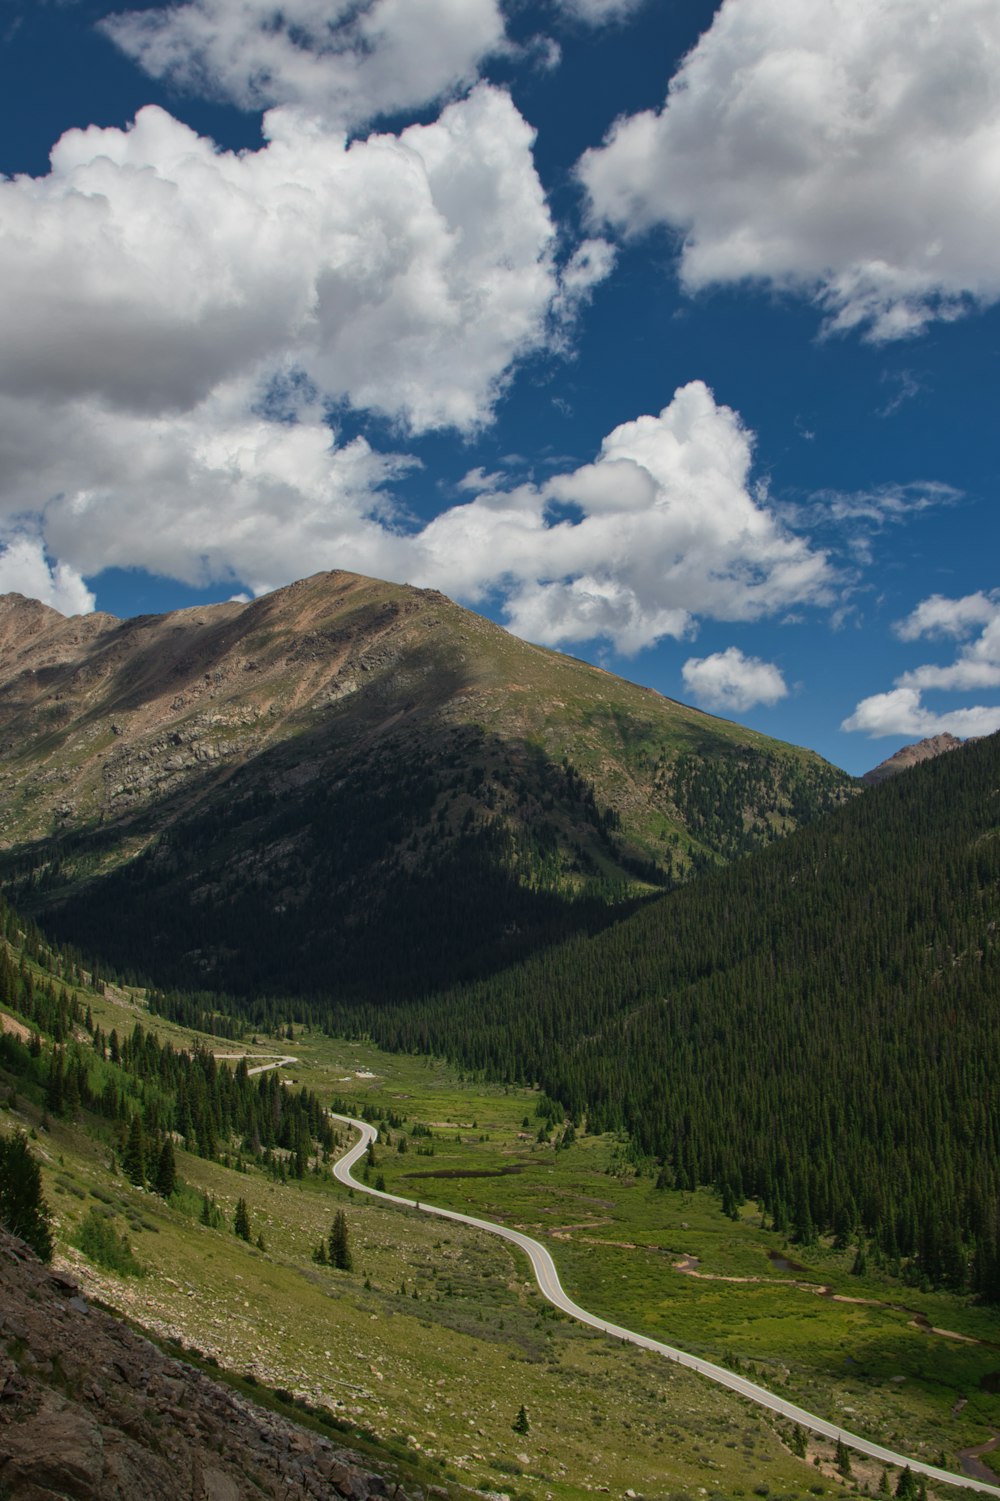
pixel 23 1210
pixel 340 1251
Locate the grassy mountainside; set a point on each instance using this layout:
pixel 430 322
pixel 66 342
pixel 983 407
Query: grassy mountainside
pixel 353 785
pixel 817 1027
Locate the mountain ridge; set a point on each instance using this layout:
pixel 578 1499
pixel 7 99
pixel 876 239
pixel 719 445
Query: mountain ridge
pixel 322 750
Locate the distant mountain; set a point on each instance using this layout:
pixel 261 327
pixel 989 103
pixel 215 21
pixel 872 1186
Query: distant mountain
pixel 353 784
pixel 911 755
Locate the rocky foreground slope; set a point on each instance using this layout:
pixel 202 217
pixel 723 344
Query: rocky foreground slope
pixel 90 1410
pixel 268 795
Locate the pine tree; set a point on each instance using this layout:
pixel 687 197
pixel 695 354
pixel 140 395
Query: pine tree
pixel 340 1251
pixel 906 1486
pixel 23 1210
pixel 843 1459
pixel 241 1220
pixel 520 1423
pixel 134 1153
pixel 166 1169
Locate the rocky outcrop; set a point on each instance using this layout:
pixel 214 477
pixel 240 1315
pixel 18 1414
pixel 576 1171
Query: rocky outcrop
pixel 91 1410
pixel 911 755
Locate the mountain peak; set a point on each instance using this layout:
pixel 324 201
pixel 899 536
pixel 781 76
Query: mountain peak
pixel 911 755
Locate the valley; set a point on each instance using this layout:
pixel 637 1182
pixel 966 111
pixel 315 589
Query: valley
pixel 428 1348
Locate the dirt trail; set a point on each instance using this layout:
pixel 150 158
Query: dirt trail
pixel 972 1464
pixel 688 1267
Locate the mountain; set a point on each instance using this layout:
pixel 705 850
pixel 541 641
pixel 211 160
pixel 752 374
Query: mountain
pixel 349 784
pixel 911 755
pixel 814 1027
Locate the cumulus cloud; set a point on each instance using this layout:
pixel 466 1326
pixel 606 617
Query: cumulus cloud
pixel 975 621
pixel 939 616
pixel 348 61
pixel 730 681
pixel 221 492
pixel 847 151
pixel 901 712
pixel 25 569
pixel 404 274
pixel 661 528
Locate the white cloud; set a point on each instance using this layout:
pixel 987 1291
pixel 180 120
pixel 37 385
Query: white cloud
pixel 347 61
pixel 216 493
pixel 848 151
pixel 730 681
pixel 659 530
pixel 24 569
pixel 939 616
pixel 403 274
pixel 663 529
pixel 599 12
pixel 902 711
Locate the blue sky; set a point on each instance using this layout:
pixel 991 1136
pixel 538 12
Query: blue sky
pixel 666 334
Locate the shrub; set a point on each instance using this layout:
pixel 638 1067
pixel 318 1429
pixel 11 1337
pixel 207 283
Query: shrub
pixel 101 1243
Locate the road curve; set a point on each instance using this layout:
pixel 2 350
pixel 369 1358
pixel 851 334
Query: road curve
pixel 551 1288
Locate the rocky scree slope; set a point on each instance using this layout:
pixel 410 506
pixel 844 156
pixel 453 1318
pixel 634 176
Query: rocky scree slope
pixel 91 1410
pixel 347 770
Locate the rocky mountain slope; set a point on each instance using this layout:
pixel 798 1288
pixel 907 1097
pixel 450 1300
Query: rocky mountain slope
pixel 315 787
pixel 911 755
pixel 91 1410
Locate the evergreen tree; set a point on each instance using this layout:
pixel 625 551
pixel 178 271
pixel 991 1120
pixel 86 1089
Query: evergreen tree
pixel 906 1486
pixel 241 1220
pixel 843 1459
pixel 134 1152
pixel 23 1210
pixel 520 1423
pixel 340 1251
pixel 166 1169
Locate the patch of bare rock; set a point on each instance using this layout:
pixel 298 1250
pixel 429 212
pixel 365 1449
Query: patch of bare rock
pixel 90 1410
pixel 911 755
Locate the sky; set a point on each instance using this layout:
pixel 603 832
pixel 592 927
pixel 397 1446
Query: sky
pixel 666 334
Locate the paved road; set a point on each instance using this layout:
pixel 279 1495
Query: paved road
pixel 548 1281
pixel 281 1060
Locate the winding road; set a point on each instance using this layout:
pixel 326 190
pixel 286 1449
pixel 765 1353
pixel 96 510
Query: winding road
pixel 551 1288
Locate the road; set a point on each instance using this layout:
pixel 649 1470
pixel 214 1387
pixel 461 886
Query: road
pixel 281 1060
pixel 551 1288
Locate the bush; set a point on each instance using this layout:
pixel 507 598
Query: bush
pixel 100 1242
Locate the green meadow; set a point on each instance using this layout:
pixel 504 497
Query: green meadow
pixel 424 1352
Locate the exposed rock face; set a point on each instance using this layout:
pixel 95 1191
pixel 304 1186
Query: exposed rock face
pixel 911 755
pixel 90 1410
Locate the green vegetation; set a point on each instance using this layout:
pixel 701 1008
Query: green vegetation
pixel 814 1028
pixel 23 1210
pixel 436 1325
pixel 102 1244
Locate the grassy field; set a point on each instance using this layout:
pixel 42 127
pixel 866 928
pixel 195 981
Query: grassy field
pixel 436 1338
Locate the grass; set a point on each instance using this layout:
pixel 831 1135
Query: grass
pixel 430 1346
